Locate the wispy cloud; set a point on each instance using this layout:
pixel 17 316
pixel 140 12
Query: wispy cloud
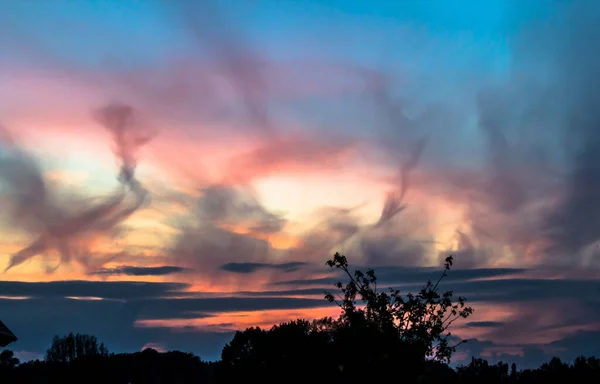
pixel 129 270
pixel 253 267
pixel 69 229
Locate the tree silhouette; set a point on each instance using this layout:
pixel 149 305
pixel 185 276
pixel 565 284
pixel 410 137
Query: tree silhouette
pixel 479 370
pixel 71 347
pixel 388 328
pixel 295 351
pixel 420 321
pixel 8 360
pixel 286 349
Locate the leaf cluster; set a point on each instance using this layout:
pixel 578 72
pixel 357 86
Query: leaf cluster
pixel 418 321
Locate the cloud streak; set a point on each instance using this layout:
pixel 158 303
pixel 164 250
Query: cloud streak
pixel 129 270
pixel 253 267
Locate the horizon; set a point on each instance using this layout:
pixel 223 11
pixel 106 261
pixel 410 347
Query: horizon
pixel 220 156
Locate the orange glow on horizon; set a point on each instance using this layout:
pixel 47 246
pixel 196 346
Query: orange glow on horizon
pixel 234 321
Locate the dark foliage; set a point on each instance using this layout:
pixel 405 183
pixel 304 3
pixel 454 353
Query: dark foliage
pixel 379 336
pixel 72 347
pixel 416 323
pixel 148 366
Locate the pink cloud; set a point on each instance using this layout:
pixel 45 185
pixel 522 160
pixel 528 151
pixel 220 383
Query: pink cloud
pixel 156 346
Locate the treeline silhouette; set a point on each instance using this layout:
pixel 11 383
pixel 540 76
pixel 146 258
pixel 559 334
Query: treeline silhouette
pixel 379 336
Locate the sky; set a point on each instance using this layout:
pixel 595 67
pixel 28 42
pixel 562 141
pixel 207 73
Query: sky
pixel 173 171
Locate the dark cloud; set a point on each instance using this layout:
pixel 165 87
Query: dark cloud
pixel 403 139
pixel 393 245
pixel 527 290
pixel 289 292
pixel 205 248
pixel 119 290
pixel 541 130
pixel 50 311
pixel 580 343
pixel 412 275
pixel 237 206
pixel 484 324
pixel 574 223
pixel 520 290
pixel 226 224
pixel 476 289
pixel 503 190
pixel 129 270
pixel 335 228
pixel 171 296
pixel 473 348
pixel 401 127
pixel 35 320
pixel 253 267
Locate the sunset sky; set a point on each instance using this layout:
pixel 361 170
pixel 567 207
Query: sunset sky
pixel 175 170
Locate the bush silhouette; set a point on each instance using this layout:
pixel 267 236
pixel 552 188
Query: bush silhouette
pixel 388 328
pixel 419 322
pixel 71 347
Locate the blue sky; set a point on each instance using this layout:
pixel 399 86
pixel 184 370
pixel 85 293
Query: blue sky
pixel 88 31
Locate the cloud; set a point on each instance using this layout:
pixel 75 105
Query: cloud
pixel 140 271
pixel 205 248
pixel 111 321
pixel 580 343
pixel 227 226
pixel 69 229
pixel 526 290
pixel 231 206
pixel 289 292
pixel 292 153
pixel 253 267
pixel 414 275
pixel 484 324
pixel 118 290
pixel 211 29
pixel 113 310
pixel 485 291
pixel 531 356
pixel 155 346
pixel 536 113
pixel 537 307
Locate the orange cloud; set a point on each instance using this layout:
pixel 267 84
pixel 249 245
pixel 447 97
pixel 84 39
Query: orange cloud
pixel 233 321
